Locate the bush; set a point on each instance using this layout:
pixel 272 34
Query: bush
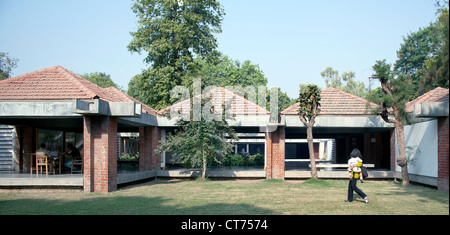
pixel 239 160
pixel 255 160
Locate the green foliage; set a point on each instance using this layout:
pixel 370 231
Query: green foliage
pixel 128 157
pixel 256 160
pixel 228 72
pixel 102 80
pixel 396 87
pixel 172 33
pixel 137 90
pixel 198 140
pixel 417 47
pixel 284 101
pixel 240 160
pixel 417 54
pixel 423 55
pixel 309 103
pixel 346 82
pixel 7 64
pixel 197 143
pixel 435 70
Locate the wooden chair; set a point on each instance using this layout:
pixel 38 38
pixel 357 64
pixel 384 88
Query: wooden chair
pixel 77 162
pixel 32 159
pixel 41 162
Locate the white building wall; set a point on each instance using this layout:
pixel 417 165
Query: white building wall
pixel 421 149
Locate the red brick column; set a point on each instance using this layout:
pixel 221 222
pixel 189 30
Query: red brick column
pixel 275 154
pixel 88 155
pixel 144 148
pixel 149 139
pixel 443 154
pixel 100 154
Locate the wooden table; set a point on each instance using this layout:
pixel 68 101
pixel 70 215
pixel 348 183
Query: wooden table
pixel 60 156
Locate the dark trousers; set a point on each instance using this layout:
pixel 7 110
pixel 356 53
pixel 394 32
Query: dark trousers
pixel 352 187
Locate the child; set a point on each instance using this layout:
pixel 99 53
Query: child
pixel 354 170
pixel 355 164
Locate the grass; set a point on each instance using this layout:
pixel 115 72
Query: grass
pixel 248 197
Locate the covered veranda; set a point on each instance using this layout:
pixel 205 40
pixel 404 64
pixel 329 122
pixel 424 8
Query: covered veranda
pixel 57 107
pixel 95 136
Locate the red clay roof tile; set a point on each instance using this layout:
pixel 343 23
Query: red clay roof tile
pixel 439 94
pixel 220 95
pixel 57 83
pixel 337 102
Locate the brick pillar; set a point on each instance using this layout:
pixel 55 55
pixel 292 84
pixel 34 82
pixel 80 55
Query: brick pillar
pixel 149 139
pixel 144 148
pixel 443 154
pixel 275 154
pixel 100 154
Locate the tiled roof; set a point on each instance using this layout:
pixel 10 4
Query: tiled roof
pixel 337 102
pixel 57 83
pixel 437 95
pixel 220 95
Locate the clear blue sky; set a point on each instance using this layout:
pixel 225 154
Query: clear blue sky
pixel 291 40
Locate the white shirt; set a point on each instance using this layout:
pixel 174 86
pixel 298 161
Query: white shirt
pixel 354 161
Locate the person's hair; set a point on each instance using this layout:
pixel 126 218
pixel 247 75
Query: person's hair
pixel 355 153
pixel 43 145
pixel 69 145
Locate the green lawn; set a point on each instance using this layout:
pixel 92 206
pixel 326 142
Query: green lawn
pixel 248 197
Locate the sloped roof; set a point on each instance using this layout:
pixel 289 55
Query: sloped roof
pixel 57 83
pixel 337 102
pixel 439 94
pixel 220 95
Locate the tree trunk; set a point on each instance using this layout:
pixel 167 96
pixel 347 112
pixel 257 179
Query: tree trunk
pixel 312 159
pixel 401 159
pixel 204 168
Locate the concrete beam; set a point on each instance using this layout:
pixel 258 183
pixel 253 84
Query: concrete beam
pixel 37 109
pixel 100 107
pixel 431 109
pixel 341 121
pixel 238 121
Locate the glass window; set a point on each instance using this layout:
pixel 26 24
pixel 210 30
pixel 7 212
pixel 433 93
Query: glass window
pixel 76 139
pixel 256 148
pixel 53 139
pixel 79 142
pixel 242 149
pixel 57 141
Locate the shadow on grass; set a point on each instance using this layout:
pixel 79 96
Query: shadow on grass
pixel 427 194
pixel 122 205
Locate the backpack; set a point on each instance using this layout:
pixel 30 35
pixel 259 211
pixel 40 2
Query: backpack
pixel 364 172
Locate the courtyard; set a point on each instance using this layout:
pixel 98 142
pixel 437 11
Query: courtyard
pixel 230 197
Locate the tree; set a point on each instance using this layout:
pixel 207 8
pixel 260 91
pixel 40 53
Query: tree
pixel 435 70
pixel 284 101
pixel 102 80
pixel 345 83
pixel 418 48
pixel 172 32
pixel 396 87
pixel 6 65
pixel 228 72
pixel 308 111
pixel 198 142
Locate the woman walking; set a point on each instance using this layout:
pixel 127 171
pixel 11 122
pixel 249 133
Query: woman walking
pixel 354 169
